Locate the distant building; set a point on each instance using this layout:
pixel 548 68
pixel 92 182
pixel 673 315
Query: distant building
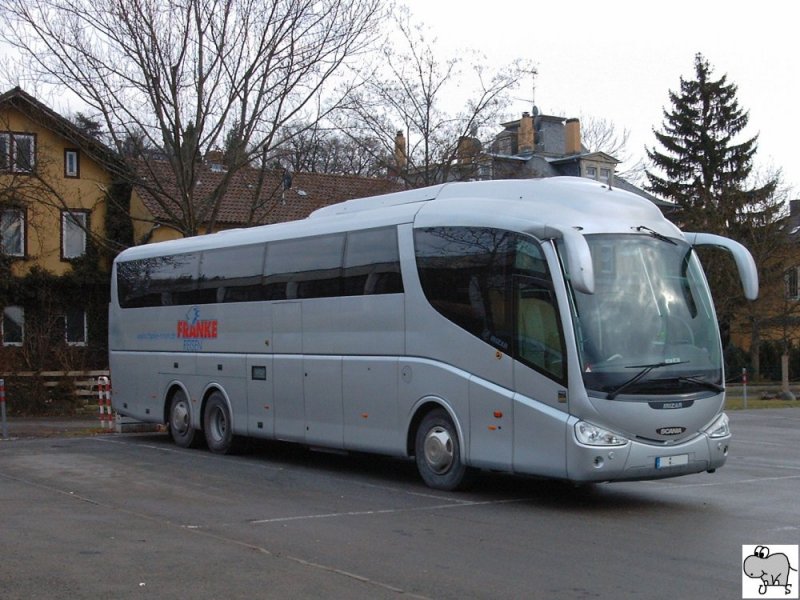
pixel 531 147
pixel 53 185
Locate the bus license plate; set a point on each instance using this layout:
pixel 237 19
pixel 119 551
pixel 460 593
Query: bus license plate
pixel 678 460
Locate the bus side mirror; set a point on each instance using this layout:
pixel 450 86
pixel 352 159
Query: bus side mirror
pixel 741 255
pixel 579 260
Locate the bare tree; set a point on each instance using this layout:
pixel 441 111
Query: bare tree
pixel 602 135
pixel 181 75
pixel 407 104
pixel 318 149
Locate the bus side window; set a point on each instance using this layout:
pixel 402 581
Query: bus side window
pixel 539 340
pixel 304 268
pixel 372 263
pixel 232 274
pixel 466 276
pixel 158 281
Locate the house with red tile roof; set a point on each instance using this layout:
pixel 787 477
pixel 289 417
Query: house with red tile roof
pixel 253 197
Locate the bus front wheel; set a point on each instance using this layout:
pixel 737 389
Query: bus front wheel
pixel 180 423
pixel 438 452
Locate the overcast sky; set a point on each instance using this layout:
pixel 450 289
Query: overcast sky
pixel 618 59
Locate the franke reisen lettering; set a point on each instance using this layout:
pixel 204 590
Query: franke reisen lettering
pixel 197 330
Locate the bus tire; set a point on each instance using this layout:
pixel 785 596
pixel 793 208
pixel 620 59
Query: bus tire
pixel 438 452
pixel 217 425
pixel 180 423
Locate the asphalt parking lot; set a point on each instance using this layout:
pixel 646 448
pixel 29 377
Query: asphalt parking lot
pixel 133 516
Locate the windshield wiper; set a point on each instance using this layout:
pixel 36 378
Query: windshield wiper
pixel 656 235
pixel 645 369
pixel 697 380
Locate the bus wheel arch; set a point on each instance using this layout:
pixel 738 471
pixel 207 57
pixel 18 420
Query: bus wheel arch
pixel 178 416
pixel 437 446
pixel 217 421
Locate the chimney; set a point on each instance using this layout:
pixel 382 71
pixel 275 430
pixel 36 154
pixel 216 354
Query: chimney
pixel 468 149
pixel 572 137
pixel 215 159
pixel 525 134
pixel 400 157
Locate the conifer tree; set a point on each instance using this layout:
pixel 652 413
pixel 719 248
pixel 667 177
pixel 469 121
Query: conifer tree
pixel 703 167
pixel 706 167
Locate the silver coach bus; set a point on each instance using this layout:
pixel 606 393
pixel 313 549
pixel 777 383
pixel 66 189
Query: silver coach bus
pixel 551 327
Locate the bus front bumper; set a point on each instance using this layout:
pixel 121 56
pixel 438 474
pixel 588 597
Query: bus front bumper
pixel 638 460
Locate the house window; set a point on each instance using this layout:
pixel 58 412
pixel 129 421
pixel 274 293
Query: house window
pixel 5 151
pixel 591 172
pixel 17 152
pixel 12 232
pixel 792 282
pixel 73 234
pixel 72 164
pixel 75 330
pixel 13 325
pixel 605 174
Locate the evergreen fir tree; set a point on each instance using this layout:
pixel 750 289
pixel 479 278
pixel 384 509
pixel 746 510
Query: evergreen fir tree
pixel 706 169
pixel 703 167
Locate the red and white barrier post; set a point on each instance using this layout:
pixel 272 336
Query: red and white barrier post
pixel 104 402
pixel 3 407
pixel 744 386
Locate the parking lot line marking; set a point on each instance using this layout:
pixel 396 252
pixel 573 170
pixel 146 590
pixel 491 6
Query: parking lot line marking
pixel 675 486
pixel 386 511
pixel 757 442
pixel 747 463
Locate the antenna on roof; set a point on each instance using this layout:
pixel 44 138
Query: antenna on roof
pixel 533 73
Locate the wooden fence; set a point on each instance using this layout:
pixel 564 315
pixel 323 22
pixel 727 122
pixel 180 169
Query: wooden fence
pixel 84 382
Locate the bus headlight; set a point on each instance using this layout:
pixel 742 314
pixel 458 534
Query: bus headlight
pixel 592 435
pixel 719 427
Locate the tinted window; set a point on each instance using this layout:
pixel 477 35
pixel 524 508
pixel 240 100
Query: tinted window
pixel 539 343
pixel 466 276
pixel 495 284
pixel 372 263
pixel 233 274
pixel 305 268
pixel 159 281
pixel 293 269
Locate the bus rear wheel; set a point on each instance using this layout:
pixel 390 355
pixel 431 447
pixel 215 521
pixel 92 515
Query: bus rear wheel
pixel 217 425
pixel 180 422
pixel 438 452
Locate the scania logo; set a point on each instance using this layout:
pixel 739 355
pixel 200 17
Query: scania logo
pixel 670 430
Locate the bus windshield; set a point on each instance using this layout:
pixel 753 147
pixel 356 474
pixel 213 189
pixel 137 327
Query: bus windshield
pixel 649 328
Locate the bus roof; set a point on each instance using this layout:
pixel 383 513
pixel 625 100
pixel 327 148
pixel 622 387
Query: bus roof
pixel 572 201
pixel 519 204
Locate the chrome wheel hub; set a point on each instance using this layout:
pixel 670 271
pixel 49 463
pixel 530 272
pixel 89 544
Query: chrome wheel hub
pixel 439 449
pixel 180 417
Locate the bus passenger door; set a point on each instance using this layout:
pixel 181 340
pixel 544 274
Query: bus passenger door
pixel 260 405
pixel 287 362
pixel 540 407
